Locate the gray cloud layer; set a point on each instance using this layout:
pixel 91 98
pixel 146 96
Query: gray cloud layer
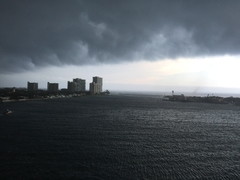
pixel 41 33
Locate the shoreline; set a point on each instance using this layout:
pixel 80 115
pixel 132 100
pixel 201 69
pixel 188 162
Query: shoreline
pixel 205 99
pixel 52 97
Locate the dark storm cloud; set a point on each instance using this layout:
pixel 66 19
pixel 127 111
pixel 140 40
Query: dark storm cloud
pixel 41 33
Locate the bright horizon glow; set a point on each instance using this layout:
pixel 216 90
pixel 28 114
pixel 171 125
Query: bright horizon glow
pixel 198 73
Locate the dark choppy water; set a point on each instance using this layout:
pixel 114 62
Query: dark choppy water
pixel 119 137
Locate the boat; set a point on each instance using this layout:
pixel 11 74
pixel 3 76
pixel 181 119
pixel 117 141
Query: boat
pixel 7 112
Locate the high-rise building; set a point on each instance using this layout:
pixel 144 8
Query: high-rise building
pixel 96 86
pixel 52 87
pixel 93 88
pixel 80 84
pixel 98 80
pixel 32 86
pixel 71 87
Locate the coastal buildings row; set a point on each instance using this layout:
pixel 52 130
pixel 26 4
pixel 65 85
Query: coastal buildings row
pixel 78 85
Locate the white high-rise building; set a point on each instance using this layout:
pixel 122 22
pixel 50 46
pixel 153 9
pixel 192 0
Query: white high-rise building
pixel 96 86
pixel 80 84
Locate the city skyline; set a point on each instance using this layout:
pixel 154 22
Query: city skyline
pixel 136 46
pixel 77 85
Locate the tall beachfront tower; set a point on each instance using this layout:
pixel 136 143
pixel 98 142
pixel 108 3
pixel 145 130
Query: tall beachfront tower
pixel 52 87
pixel 71 87
pixel 80 84
pixel 96 86
pixel 32 86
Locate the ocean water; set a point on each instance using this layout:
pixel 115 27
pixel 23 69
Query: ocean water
pixel 119 137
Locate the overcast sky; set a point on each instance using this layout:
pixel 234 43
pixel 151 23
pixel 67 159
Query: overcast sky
pixel 134 45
